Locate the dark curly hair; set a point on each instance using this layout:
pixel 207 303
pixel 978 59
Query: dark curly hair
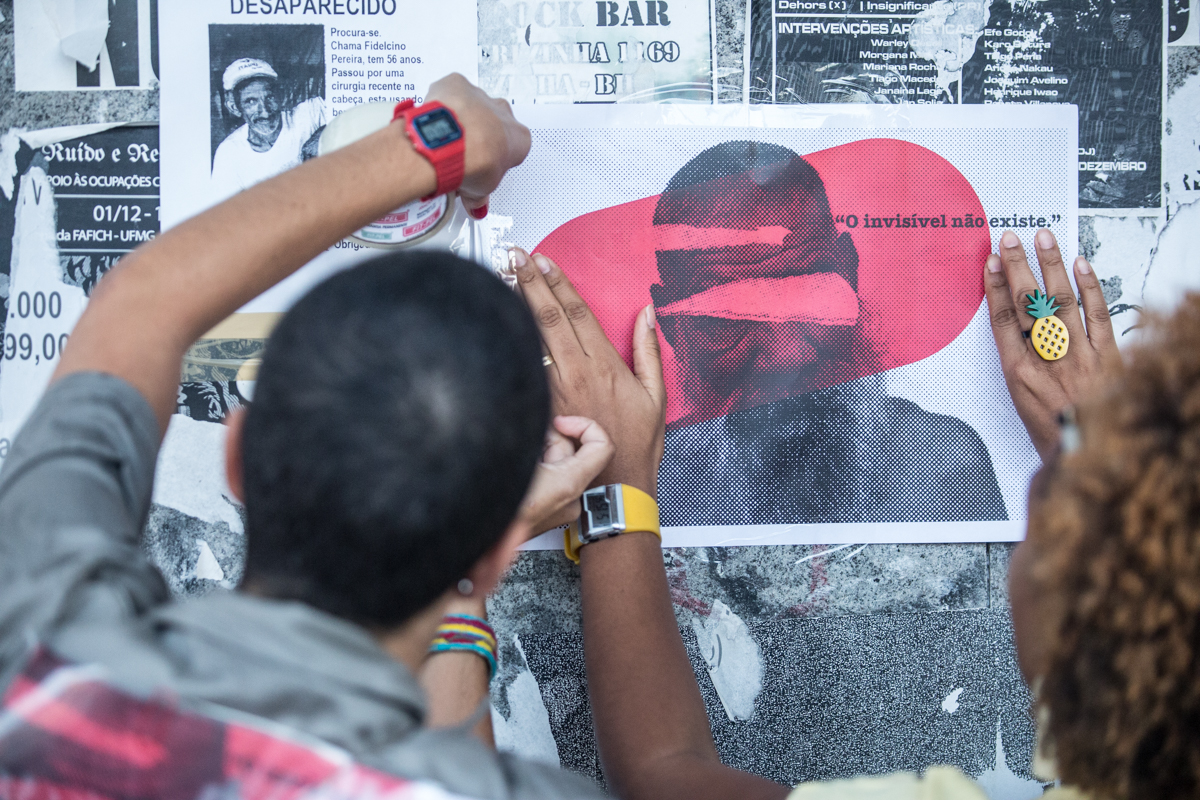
pixel 1116 529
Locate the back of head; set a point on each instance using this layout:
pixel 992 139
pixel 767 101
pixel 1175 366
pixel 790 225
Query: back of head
pixel 1116 529
pixel 399 414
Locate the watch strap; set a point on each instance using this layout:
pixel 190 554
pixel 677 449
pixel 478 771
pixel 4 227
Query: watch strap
pixel 640 514
pixel 448 160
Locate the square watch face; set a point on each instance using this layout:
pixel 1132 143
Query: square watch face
pixel 599 510
pixel 437 128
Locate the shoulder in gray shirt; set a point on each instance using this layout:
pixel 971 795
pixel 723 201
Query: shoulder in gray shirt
pixel 80 602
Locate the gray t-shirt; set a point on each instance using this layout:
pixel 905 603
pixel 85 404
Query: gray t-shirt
pixel 97 662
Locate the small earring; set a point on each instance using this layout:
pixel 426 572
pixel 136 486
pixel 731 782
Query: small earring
pixel 466 588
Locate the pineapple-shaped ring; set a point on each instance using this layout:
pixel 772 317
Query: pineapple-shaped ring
pixel 1049 335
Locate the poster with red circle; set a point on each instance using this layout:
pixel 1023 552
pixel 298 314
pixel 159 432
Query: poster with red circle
pixel 818 288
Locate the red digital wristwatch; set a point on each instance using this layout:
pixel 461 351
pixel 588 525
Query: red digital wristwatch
pixel 435 133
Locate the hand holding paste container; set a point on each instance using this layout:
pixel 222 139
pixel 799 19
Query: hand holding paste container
pixel 408 224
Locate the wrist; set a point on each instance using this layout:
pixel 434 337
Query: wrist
pixel 435 133
pixel 611 511
pixel 469 634
pixel 471 606
pixel 635 472
pixel 412 168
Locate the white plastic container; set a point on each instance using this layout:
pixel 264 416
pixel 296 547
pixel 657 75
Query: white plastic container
pixel 407 225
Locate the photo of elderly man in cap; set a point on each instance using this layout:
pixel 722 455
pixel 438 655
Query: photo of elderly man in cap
pixel 271 138
pixel 758 297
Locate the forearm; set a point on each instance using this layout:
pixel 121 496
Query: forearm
pixel 651 727
pixel 456 683
pixel 166 294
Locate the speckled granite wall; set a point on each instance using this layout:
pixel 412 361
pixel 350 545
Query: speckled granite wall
pixel 870 658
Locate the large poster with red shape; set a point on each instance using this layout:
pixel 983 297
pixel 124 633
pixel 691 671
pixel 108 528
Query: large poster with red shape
pixel 817 274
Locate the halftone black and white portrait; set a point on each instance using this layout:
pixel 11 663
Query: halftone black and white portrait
pixel 267 100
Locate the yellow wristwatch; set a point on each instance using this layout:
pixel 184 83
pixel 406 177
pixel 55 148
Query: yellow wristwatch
pixel 610 511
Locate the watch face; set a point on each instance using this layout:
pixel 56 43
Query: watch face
pixel 603 513
pixel 437 128
pixel 599 510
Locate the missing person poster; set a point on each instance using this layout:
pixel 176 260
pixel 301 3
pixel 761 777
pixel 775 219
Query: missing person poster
pixel 817 274
pixel 633 51
pixel 254 82
pixel 1104 56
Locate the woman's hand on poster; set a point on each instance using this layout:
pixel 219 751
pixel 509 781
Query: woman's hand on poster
pixel 496 142
pixel 577 450
pixel 1042 389
pixel 589 378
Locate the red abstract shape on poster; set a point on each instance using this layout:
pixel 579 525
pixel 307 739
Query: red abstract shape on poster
pixel 917 226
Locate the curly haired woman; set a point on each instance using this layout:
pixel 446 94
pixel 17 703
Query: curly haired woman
pixel 1107 586
pixel 1105 590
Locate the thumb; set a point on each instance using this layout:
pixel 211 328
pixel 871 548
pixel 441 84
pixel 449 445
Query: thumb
pixel 647 357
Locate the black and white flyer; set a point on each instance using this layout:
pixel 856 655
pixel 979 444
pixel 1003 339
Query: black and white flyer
pixel 71 206
pixel 636 51
pixel 254 82
pixel 1104 56
pixel 76 45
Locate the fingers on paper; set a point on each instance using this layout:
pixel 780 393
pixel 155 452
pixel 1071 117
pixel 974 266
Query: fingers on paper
pixel 1058 285
pixel 557 331
pixel 1019 275
pixel 1095 306
pixel 1006 323
pixel 647 357
pixel 587 327
pixel 476 207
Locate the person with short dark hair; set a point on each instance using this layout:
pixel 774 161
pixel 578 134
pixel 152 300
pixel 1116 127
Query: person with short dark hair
pixel 401 412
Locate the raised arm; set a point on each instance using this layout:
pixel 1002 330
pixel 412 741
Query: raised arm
pixel 651 727
pixel 162 297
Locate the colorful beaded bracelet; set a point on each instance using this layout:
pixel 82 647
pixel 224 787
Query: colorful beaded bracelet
pixel 463 632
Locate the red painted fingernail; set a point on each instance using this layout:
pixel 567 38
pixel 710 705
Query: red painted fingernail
pixel 478 213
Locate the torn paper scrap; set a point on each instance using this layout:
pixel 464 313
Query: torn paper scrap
pixel 1001 783
pixel 526 731
pixel 733 658
pixel 81 26
pixel 10 143
pixel 950 703
pixel 207 566
pixel 190 476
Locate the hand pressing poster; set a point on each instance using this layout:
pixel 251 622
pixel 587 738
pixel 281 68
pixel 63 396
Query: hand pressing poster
pixel 817 275
pixel 254 82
